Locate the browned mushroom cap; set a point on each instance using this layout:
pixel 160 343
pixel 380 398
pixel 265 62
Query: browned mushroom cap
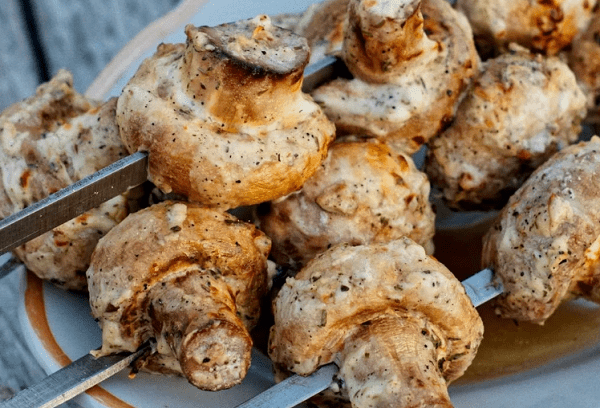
pixel 545 245
pixel 411 62
pixel 584 60
pixel 398 324
pixel 191 278
pixel 546 26
pixel 384 38
pixel 223 117
pixel 521 109
pixel 48 142
pixel 363 192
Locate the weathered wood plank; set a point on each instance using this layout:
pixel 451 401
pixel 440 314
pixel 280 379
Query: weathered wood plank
pixel 84 35
pixel 18 72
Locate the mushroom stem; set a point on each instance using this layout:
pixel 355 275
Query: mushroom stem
pixel 244 72
pixel 383 37
pixel 194 315
pixel 391 362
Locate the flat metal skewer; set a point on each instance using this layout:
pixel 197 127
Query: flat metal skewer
pixel 72 201
pixel 72 380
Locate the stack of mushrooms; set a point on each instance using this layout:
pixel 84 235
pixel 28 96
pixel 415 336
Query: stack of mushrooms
pixel 225 124
pixel 410 62
pixel 481 87
pixel 367 295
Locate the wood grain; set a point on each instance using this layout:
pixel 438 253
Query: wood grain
pixel 84 35
pixel 18 71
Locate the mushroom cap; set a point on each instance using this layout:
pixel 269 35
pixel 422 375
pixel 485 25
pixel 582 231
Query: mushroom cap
pixel 166 242
pixel 413 101
pixel 542 26
pixel 363 192
pixel 223 117
pixel 521 108
pixel 349 286
pixel 545 245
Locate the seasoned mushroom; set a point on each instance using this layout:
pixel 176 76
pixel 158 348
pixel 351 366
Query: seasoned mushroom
pixel 545 245
pixel 48 142
pixel 397 323
pixel 520 110
pixel 411 60
pixel 540 25
pixel 584 60
pixel 362 193
pixel 189 277
pixel 223 116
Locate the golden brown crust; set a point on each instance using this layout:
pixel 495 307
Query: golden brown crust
pixel 545 245
pixel 223 117
pixel 321 314
pixel 363 192
pixel 410 96
pixel 520 110
pixel 190 277
pixel 48 142
pixel 543 25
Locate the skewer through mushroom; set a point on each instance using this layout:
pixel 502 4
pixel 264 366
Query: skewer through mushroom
pixel 545 245
pixel 397 323
pixel 223 116
pixel 48 142
pixel 190 277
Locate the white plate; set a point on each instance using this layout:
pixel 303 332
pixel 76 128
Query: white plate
pixel 59 327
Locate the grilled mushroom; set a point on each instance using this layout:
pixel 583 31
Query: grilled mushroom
pixel 189 277
pixel 323 26
pixel 584 60
pixel 542 26
pixel 520 110
pixel 223 117
pixel 397 323
pixel 411 60
pixel 362 193
pixel 48 142
pixel 545 245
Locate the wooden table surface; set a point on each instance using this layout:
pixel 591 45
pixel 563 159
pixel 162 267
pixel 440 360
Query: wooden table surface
pixel 38 38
